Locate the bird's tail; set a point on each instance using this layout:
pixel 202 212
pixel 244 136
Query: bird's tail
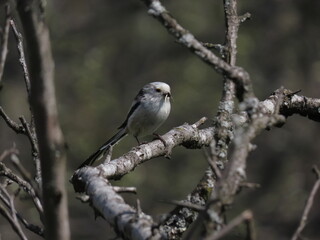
pixel 104 148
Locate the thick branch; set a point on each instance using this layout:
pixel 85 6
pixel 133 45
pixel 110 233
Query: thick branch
pixel 127 221
pixel 187 135
pixel 258 117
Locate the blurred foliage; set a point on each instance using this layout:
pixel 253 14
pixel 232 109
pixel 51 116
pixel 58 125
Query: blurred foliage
pixel 105 51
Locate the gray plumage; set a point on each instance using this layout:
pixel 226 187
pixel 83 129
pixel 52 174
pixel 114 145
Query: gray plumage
pixel 150 108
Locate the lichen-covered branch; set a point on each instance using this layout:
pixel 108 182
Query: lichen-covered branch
pixel 181 217
pixel 127 221
pixel 257 117
pixel 187 135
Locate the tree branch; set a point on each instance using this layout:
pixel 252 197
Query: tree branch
pixel 124 218
pixel 4 42
pixel 309 204
pixel 259 115
pixel 4 171
pixel 187 135
pixel 245 216
pixel 30 130
pixel 18 128
pixel 184 37
pixel 8 201
pixel 14 224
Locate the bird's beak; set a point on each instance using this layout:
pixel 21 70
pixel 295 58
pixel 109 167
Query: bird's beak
pixel 168 95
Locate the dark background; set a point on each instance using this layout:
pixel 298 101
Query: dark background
pixel 105 51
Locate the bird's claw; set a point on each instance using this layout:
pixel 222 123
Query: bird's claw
pixel 160 138
pixel 168 149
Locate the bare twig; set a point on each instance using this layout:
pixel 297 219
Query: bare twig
pixel 4 171
pixel 32 138
pixel 30 133
pixel 4 42
pixel 14 224
pixel 24 128
pixel 212 162
pixel 186 204
pixel 18 128
pixel 8 201
pixel 250 185
pixel 22 59
pixel 26 175
pixel 8 152
pixel 309 204
pixel 200 122
pixel 245 216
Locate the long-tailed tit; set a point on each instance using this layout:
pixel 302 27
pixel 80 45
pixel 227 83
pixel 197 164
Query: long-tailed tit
pixel 150 108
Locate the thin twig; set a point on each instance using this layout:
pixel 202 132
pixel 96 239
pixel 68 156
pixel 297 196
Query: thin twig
pixel 14 224
pixel 26 175
pixel 186 204
pixel 309 204
pixel 200 122
pixel 18 128
pixel 4 42
pixel 243 217
pixel 22 58
pixel 33 228
pixel 212 162
pixel 8 152
pixel 31 134
pixel 4 171
pixel 249 185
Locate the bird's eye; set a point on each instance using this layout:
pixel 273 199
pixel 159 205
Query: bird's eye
pixel 158 90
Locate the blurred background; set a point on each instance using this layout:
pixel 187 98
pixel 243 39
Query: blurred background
pixel 105 51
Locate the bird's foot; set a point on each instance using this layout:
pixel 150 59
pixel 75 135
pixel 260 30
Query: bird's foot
pixel 160 138
pixel 168 149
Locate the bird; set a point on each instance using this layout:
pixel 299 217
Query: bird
pixel 149 110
